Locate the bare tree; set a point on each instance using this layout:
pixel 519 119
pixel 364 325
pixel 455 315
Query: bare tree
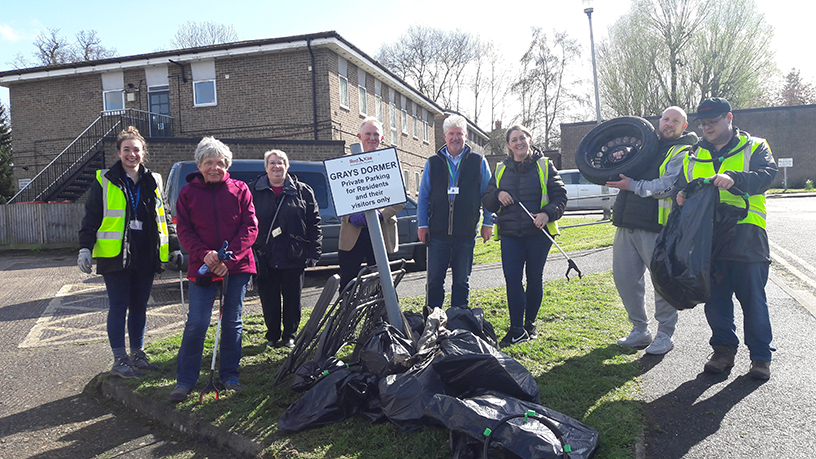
pixel 544 86
pixel 795 91
pixel 678 52
pixel 431 60
pixel 53 49
pixel 193 34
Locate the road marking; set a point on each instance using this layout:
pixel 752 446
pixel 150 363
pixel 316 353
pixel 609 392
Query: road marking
pixel 78 314
pixel 793 256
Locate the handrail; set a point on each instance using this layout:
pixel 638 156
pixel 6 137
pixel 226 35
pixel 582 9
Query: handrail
pixel 78 152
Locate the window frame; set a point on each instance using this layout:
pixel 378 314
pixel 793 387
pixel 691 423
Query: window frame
pixel 404 121
pixel 105 99
pixel 214 90
pixel 344 95
pixel 362 92
pixel 393 120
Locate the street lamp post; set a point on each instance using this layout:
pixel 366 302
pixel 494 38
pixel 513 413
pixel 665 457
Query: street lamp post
pixel 607 211
pixel 588 10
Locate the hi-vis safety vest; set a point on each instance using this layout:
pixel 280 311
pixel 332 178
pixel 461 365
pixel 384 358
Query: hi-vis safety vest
pixel 664 205
pixel 543 175
pixel 701 166
pixel 111 232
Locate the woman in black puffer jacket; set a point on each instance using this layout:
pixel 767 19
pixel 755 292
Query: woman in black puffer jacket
pixel 528 177
pixel 289 239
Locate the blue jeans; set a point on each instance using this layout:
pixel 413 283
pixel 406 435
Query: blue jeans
pixel 195 330
pixel 456 252
pixel 747 281
pixel 128 290
pixel 524 254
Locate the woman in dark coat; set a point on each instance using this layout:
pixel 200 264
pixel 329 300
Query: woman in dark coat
pixel 289 239
pixel 126 227
pixel 525 176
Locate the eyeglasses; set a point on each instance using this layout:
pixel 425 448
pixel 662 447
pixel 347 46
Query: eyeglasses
pixel 277 163
pixel 711 123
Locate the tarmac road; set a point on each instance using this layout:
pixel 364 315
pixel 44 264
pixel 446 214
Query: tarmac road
pixel 53 343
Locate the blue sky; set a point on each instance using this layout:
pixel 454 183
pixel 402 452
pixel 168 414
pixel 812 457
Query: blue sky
pixel 141 27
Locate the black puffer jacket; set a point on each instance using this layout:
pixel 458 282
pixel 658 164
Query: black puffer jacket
pixel 521 180
pixel 299 220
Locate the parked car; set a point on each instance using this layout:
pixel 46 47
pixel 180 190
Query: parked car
pixel 312 173
pixel 583 194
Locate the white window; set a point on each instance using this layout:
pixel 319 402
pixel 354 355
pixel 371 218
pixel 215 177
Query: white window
pixel 378 108
pixel 417 180
pixel 342 73
pixel 425 128
pixel 405 178
pixel 363 100
pixel 114 100
pixel 204 94
pixel 361 87
pixel 404 116
pixel 113 91
pixel 393 120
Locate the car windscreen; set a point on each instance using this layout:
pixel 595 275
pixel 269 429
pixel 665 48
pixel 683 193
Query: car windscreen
pixel 314 179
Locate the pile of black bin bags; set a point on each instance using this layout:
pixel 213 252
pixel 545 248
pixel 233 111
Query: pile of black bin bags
pixel 454 377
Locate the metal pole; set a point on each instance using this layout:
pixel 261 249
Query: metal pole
pixel 588 12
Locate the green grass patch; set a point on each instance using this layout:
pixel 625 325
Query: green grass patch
pixel 579 370
pixel 574 238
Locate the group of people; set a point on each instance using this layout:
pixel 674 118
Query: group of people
pixel 272 231
pixel 728 157
pixel 218 221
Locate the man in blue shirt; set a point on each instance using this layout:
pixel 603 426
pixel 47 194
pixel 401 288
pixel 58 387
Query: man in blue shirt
pixel 448 215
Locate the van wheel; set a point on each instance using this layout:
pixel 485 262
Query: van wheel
pixel 624 145
pixel 420 258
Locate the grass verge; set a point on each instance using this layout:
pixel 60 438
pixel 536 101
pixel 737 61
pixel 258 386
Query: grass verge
pixel 575 238
pixel 580 372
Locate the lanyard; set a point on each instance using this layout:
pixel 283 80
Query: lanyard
pixel 453 172
pixel 135 202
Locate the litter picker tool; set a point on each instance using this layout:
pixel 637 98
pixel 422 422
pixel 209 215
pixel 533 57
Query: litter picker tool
pixel 223 254
pixel 181 289
pixel 572 264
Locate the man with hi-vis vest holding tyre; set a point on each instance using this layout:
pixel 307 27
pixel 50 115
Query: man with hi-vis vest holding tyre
pixel 640 211
pixel 729 157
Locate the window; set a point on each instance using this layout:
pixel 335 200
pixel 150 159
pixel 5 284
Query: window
pixel 378 108
pixel 425 128
pixel 404 121
pixel 393 124
pixel 363 100
pixel 342 73
pixel 204 94
pixel 114 100
pixel 113 91
pixel 405 178
pixel 361 86
pixel 417 181
pixel 416 127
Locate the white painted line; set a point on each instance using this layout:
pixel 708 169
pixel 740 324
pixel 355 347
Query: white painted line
pixel 792 256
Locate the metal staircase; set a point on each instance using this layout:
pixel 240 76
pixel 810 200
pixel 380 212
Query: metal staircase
pixel 72 172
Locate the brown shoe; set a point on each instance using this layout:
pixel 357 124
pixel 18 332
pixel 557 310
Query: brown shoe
pixel 760 369
pixel 721 360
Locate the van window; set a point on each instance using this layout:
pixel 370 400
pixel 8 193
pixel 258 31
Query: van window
pixel 317 182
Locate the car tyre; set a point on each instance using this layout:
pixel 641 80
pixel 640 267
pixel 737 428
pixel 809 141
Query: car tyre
pixel 632 136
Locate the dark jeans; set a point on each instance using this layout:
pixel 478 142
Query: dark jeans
pixel 128 290
pixel 524 255
pixel 195 330
pixel 351 260
pixel 456 252
pixel 747 281
pixel 289 284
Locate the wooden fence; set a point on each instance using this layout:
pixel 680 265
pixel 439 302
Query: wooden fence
pixel 47 226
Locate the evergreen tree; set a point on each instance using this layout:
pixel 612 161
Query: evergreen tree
pixel 6 174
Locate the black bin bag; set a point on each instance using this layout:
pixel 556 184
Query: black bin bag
pixel 681 261
pixel 472 319
pixel 404 396
pixel 517 437
pixel 386 351
pixel 469 365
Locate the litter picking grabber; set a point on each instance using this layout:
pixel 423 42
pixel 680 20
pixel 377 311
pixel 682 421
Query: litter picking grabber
pixel 223 254
pixel 571 263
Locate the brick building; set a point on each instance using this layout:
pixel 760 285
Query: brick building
pixel 303 94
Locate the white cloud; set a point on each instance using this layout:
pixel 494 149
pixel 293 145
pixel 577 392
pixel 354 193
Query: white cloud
pixel 7 33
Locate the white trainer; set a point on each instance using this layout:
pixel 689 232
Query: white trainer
pixel 661 344
pixel 636 339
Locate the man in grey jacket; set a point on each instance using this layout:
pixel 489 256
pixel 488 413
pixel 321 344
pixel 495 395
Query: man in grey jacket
pixel 639 213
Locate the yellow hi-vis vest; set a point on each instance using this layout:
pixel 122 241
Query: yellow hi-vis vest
pixel 664 205
pixel 701 166
pixel 111 232
pixel 543 175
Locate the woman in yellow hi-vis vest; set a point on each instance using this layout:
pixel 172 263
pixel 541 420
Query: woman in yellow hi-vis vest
pixel 525 176
pixel 126 228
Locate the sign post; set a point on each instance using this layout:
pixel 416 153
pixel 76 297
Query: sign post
pixel 785 163
pixel 364 182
